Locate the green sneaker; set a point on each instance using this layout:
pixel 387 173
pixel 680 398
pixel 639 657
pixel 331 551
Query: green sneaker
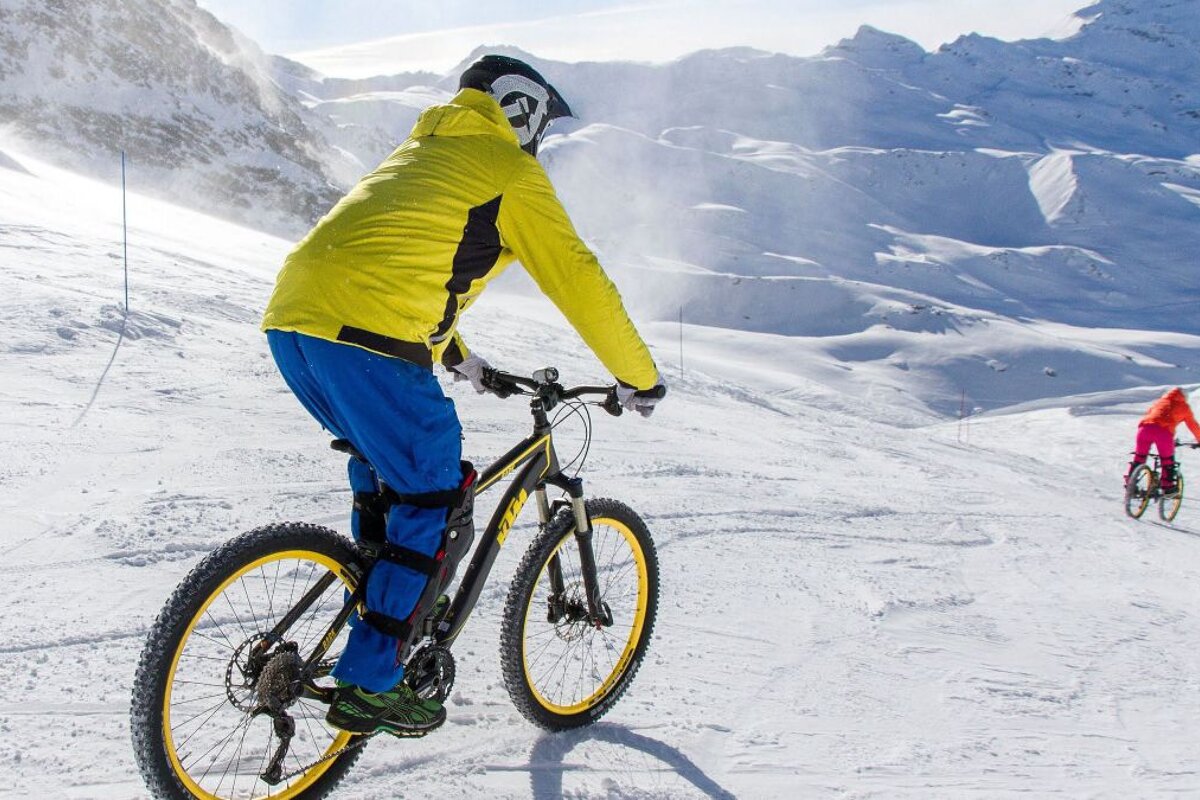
pixel 398 712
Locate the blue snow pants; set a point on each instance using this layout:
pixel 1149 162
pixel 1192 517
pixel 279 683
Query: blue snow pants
pixel 395 414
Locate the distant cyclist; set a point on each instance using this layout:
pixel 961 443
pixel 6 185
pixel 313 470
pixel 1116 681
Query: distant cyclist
pixel 1157 428
pixel 370 299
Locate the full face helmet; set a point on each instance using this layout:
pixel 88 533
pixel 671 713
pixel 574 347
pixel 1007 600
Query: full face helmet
pixel 529 102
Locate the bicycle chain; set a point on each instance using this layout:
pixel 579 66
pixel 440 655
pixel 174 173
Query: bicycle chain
pixel 358 742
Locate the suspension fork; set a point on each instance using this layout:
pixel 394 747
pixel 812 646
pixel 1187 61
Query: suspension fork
pixel 553 568
pixel 598 612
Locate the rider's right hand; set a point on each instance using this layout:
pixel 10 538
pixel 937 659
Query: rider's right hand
pixel 471 369
pixel 642 401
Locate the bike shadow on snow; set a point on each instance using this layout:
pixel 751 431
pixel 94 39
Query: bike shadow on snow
pixel 623 760
pixel 1174 528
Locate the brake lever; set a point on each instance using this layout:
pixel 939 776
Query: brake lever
pixel 492 382
pixel 611 404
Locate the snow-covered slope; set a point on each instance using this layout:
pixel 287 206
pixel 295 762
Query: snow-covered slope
pixel 850 607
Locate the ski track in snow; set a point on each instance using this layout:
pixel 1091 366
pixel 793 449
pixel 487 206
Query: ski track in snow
pixel 848 608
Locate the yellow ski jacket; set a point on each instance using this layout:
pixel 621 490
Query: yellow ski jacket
pixel 395 262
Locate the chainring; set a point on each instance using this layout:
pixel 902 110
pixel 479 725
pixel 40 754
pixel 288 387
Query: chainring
pixel 430 672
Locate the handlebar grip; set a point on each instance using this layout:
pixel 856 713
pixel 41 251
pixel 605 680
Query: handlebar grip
pixel 657 392
pixel 496 384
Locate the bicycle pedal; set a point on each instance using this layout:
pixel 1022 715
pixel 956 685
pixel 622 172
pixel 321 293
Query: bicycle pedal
pixel 409 734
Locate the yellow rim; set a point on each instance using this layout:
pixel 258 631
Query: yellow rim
pixel 339 741
pixel 1171 507
pixel 1144 499
pixel 635 633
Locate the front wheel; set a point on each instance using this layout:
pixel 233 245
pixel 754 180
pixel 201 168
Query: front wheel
pixel 1138 489
pixel 1168 507
pixel 563 668
pixel 226 656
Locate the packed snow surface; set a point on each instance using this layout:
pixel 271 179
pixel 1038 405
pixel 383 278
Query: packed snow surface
pixel 909 305
pixel 859 598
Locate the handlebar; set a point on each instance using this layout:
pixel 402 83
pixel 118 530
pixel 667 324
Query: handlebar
pixel 544 384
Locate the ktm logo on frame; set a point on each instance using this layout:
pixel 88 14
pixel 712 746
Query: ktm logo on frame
pixel 510 516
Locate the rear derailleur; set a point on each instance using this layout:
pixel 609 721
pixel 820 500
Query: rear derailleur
pixel 274 677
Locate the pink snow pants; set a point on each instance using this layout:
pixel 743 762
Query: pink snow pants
pixel 1162 439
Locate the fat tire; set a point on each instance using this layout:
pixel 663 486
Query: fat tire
pixel 1168 507
pixel 1136 505
pixel 520 592
pixel 150 680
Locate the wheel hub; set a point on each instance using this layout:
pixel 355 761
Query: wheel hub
pixel 264 675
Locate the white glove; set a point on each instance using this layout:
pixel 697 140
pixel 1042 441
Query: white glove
pixel 644 401
pixel 471 369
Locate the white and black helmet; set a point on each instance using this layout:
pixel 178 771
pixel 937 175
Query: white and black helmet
pixel 529 102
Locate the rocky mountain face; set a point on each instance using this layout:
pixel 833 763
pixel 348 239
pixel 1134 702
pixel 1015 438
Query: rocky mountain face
pixel 190 102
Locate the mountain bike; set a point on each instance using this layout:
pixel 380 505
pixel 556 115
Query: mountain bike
pixel 1144 486
pixel 233 684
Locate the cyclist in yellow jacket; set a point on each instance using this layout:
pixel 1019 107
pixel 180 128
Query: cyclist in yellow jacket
pixel 369 301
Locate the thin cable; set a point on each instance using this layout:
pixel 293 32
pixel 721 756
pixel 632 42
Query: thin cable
pixel 565 412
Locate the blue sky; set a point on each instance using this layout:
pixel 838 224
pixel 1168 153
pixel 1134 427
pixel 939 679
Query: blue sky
pixel 361 37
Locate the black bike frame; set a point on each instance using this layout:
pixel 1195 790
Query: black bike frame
pixel 539 468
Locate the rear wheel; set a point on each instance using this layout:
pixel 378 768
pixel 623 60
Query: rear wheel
pixel 214 674
pixel 563 669
pixel 1138 488
pixel 1168 507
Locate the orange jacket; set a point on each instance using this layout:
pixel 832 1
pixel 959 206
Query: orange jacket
pixel 1170 410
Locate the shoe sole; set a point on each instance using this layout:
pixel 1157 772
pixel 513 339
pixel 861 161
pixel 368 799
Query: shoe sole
pixel 351 726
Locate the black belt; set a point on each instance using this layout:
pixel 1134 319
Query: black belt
pixel 413 352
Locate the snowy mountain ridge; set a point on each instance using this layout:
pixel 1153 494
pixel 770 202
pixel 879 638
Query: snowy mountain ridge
pixel 1028 200
pixel 936 224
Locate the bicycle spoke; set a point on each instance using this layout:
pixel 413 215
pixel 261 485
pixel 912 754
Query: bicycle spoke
pixel 219 629
pixel 207 713
pixel 222 744
pixel 199 699
pixel 234 764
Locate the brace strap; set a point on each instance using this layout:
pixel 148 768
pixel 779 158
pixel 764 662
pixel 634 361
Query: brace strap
pixel 447 498
pixel 399 628
pixel 412 559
